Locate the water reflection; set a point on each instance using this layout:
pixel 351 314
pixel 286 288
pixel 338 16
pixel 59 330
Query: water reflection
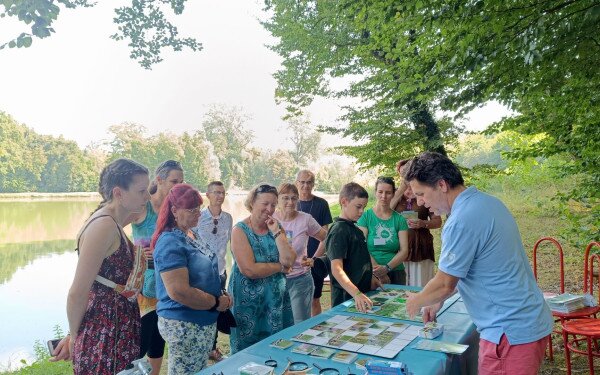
pixel 37 263
pixel 42 220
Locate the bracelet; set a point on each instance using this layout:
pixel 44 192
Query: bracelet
pixel 278 233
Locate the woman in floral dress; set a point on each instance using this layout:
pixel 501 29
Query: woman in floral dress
pixel 104 323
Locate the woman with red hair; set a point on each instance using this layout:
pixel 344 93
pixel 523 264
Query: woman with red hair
pixel 187 282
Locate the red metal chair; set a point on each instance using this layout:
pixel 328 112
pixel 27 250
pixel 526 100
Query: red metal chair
pixel 584 330
pixel 562 277
pixel 562 317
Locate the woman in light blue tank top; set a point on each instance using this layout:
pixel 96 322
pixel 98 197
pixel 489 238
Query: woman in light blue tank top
pixel 167 175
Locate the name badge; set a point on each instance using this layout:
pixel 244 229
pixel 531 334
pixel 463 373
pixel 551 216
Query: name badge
pixel 379 241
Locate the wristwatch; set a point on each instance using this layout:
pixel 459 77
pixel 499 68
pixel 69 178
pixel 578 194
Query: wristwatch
pixel 387 267
pixel 216 305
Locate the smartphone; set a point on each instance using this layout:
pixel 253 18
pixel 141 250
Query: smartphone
pixel 52 345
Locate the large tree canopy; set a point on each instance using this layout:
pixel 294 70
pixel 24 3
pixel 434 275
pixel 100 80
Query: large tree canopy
pixel 539 58
pixel 143 24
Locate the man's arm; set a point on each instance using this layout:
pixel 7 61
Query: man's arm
pixel 321 249
pixel 437 290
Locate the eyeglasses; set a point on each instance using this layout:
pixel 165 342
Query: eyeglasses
pixel 266 189
pixel 217 193
pixel 288 199
pixel 309 182
pixel 215 222
pixel 194 210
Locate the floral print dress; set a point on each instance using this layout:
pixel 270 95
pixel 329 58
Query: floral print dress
pixel 261 306
pixel 109 334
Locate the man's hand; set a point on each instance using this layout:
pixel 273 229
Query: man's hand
pixel 412 304
pixel 430 312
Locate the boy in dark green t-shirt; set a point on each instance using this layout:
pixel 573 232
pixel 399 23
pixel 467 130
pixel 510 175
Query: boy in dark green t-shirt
pixel 346 247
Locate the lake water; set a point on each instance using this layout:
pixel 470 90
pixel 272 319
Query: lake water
pixel 37 264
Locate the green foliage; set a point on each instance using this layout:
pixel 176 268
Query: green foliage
pixel 31 162
pixel 541 181
pixel 143 24
pixel 148 30
pixel 42 365
pixel 224 129
pixel 306 141
pixel 131 141
pixel 270 167
pixel 331 176
pixel 323 41
pixel 540 59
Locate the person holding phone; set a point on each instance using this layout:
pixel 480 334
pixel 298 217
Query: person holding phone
pixel 104 321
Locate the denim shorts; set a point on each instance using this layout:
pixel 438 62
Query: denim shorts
pixel 301 290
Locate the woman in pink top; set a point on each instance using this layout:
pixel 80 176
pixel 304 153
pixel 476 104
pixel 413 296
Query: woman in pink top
pixel 298 226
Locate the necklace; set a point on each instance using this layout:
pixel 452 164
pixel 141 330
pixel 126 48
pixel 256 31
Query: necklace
pixel 312 201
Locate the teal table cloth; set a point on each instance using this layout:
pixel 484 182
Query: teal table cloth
pixel 458 328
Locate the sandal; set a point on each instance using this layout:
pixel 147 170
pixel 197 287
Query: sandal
pixel 216 355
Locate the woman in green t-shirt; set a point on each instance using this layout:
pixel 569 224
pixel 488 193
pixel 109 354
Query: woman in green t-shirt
pixel 387 234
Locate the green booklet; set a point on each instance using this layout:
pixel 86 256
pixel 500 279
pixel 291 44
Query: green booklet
pixel 304 348
pixel 282 343
pixel 441 346
pixel 344 356
pixel 322 352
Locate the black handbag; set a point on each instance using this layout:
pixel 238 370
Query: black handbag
pixel 225 321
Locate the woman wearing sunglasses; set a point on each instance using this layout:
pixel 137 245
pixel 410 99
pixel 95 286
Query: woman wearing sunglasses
pixel 298 226
pixel 167 174
pixel 263 257
pixel 188 287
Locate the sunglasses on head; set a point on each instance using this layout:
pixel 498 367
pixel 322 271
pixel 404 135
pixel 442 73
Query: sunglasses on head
pixel 266 189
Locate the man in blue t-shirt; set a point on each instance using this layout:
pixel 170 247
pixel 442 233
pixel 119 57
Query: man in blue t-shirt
pixel 483 256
